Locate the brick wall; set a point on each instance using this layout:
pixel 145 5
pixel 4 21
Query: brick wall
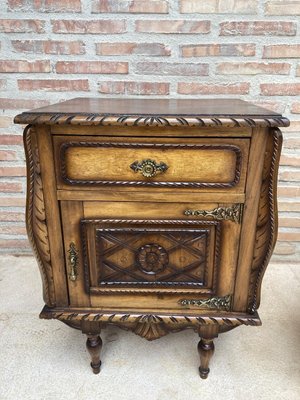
pixel 52 50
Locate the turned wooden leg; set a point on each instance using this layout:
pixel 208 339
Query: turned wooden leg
pixel 94 345
pixel 206 350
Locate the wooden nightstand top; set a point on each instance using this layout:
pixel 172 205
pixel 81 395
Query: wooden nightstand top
pixel 153 112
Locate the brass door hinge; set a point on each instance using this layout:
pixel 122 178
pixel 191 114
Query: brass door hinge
pixel 219 303
pixel 233 213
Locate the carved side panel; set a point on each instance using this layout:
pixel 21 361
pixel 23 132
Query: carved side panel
pixel 266 227
pixel 35 215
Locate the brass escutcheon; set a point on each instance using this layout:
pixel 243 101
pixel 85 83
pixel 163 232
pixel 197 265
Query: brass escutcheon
pixel 73 261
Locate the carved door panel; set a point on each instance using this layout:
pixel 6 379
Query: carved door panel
pixel 140 262
pixel 131 256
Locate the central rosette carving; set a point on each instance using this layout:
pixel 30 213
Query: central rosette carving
pixel 152 258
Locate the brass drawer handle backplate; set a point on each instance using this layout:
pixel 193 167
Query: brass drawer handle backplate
pixel 148 168
pixel 220 303
pixel 73 261
pixel 233 213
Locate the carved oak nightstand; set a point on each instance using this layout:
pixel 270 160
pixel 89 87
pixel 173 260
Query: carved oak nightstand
pixel 153 215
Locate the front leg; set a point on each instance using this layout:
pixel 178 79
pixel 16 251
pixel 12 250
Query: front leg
pixel 93 343
pixel 206 348
pixel 94 346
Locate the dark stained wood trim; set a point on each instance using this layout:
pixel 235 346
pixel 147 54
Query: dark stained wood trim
pixel 175 320
pixel 36 221
pixel 250 213
pixel 267 221
pixel 45 147
pixel 149 120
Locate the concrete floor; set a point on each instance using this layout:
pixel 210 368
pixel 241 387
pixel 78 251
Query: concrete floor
pixel 45 360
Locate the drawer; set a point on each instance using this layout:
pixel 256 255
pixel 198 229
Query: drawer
pixel 91 162
pixel 127 260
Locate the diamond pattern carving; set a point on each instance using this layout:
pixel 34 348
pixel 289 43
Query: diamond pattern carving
pixel 181 257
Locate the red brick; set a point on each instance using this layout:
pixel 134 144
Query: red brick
pixel 258 28
pixel 138 88
pixel 12 201
pixel 48 46
pixel 13 230
pixel 24 66
pixel 289 236
pixel 91 67
pixel 10 187
pixel 53 85
pixel 22 26
pixel 289 205
pixel 9 216
pixel 119 49
pixel 5 121
pixel 220 6
pixel 8 155
pixel 45 6
pixel 12 171
pixel 295 108
pixel 218 50
pixel 91 26
pixel 17 104
pixel 253 68
pixel 291 143
pixel 172 26
pixel 290 160
pixel 289 222
pixel 288 191
pixel 130 6
pixel 279 7
pixel 162 68
pixel 213 88
pixel 11 140
pixel 294 127
pixel 14 244
pixel 282 51
pixel 290 176
pixel 280 89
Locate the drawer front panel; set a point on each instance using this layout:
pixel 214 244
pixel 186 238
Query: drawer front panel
pixel 199 164
pixel 132 255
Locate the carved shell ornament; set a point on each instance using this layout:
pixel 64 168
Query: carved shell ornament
pixel 152 258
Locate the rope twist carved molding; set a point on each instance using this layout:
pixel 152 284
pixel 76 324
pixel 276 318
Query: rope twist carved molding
pixel 148 120
pixel 35 215
pixel 151 326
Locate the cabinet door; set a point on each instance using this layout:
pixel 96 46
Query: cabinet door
pixel 187 260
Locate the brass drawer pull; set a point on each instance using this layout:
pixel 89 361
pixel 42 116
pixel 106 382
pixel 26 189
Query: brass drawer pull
pixel 148 168
pixel 233 213
pixel 220 303
pixel 73 261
